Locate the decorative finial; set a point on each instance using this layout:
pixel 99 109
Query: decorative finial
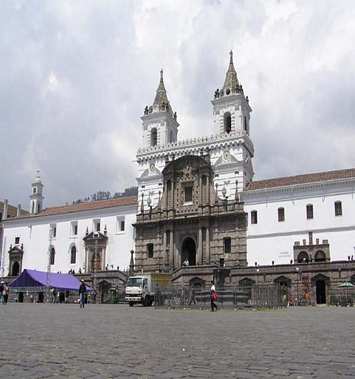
pixel 231 57
pixel 161 74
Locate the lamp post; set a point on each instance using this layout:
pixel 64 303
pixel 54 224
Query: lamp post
pixel 297 269
pixel 49 262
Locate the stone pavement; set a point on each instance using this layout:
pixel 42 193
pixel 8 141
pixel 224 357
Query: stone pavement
pixel 115 341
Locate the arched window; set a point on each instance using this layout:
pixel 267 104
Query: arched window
pixel 150 250
pixel 320 256
pixel 15 269
pixel 52 256
pixel 245 124
pixel 153 137
pixel 73 254
pixel 338 208
pixel 227 122
pixel 227 244
pixel 171 136
pixel 254 217
pixel 309 211
pixel 303 257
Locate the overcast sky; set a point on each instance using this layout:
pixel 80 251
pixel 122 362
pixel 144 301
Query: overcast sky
pixel 75 77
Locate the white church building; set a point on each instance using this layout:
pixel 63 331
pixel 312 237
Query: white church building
pixel 296 218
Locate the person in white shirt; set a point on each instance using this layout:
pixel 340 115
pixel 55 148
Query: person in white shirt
pixel 213 295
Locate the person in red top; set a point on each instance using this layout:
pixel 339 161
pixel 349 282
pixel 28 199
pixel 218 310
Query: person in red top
pixel 213 295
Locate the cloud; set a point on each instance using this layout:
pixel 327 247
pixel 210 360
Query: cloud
pixel 76 76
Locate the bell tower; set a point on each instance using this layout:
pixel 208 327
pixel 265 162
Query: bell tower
pixel 160 129
pixel 232 160
pixel 36 204
pixel 160 126
pixel 231 110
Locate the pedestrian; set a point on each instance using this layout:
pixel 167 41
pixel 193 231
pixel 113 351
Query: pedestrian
pixel 82 293
pixel 1 290
pixel 5 293
pixel 213 295
pixel 192 296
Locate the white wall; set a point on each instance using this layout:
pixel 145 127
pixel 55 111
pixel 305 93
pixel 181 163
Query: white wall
pixel 270 240
pixel 34 234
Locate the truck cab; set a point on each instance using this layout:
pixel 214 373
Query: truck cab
pixel 138 290
pixel 142 289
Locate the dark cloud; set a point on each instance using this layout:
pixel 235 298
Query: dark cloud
pixel 75 77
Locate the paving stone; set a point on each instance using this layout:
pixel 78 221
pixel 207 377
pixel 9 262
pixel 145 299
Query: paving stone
pixel 116 341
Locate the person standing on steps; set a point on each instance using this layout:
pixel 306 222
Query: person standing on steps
pixel 82 293
pixel 213 295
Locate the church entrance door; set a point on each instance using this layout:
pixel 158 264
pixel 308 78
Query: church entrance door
pixel 188 252
pixel 96 262
pixel 320 292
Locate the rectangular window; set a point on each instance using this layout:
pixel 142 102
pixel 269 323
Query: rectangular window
pixel 227 242
pixel 253 217
pixel 150 250
pixel 97 225
pixel 74 228
pixel 53 230
pixel 121 225
pixel 338 208
pixel 309 211
pixel 188 194
pixel 17 240
pixel 281 214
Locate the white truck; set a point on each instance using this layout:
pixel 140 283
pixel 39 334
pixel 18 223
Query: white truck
pixel 143 289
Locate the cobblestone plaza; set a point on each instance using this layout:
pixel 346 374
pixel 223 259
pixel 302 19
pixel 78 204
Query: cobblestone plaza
pixel 115 341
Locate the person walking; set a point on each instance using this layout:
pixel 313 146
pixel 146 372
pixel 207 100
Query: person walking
pixel 213 295
pixel 1 291
pixel 5 293
pixel 82 293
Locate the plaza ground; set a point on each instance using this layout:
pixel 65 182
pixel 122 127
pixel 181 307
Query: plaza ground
pixel 116 341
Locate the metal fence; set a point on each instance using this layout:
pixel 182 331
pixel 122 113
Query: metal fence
pixel 263 296
pixel 342 296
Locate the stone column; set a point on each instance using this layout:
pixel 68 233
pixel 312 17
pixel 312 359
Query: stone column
pixel 208 190
pixel 171 246
pixel 199 250
pixel 201 189
pixel 208 258
pixel 164 247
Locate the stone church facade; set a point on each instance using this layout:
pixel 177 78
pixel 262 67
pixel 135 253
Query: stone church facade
pixel 198 210
pixel 190 225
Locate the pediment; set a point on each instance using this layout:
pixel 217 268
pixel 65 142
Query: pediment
pixel 225 159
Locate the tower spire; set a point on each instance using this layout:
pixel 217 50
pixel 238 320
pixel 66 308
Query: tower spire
pixel 161 102
pixel 231 82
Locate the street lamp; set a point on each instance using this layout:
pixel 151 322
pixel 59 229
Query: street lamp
pixel 49 260
pixel 297 269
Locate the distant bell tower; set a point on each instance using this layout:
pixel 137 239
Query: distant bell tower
pixel 160 126
pixel 231 110
pixel 36 204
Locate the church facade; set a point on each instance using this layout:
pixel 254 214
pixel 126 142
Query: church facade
pixel 197 207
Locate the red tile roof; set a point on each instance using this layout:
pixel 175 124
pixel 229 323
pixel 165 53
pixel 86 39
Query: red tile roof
pixel 85 206
pixel 302 179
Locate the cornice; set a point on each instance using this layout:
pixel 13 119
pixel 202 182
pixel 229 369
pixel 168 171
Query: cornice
pixel 297 189
pixel 195 145
pixel 301 232
pixel 70 216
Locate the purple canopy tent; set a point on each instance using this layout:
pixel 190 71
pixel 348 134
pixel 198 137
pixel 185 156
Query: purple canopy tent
pixel 34 278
